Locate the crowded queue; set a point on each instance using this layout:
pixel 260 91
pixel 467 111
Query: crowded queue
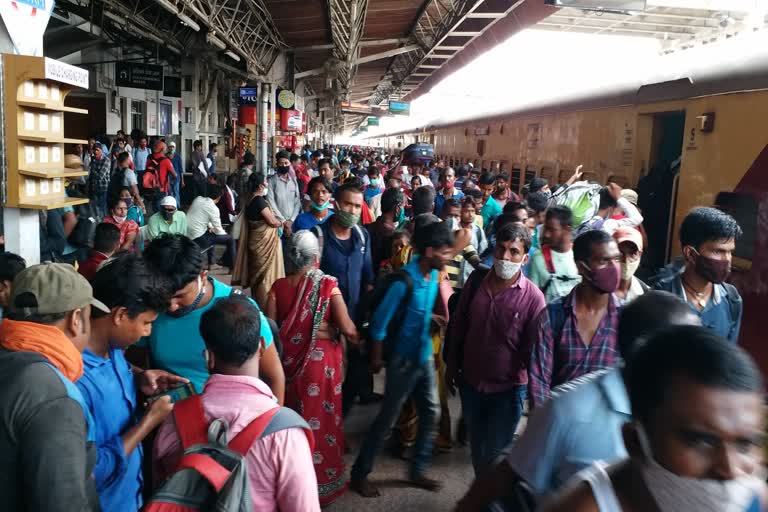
pixel 132 374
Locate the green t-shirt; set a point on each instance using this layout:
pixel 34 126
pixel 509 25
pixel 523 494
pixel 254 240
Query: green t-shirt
pixel 566 274
pixel 490 210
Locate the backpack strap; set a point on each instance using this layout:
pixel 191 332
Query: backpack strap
pixel 190 421
pixel 286 418
pixel 216 474
pixel 546 251
pixel 318 231
pixel 274 420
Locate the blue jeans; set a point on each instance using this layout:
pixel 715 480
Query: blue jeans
pixel 491 420
pixel 405 378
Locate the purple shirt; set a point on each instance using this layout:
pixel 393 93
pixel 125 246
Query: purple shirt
pixel 499 333
pixel 557 361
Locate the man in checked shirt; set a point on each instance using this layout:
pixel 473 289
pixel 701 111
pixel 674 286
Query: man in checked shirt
pixel 577 333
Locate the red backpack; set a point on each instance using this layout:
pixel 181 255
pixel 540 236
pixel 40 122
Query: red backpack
pixel 212 474
pixel 151 180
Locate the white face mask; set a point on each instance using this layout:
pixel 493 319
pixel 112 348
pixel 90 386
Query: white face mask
pixel 674 493
pixel 506 269
pixel 628 269
pixel 453 222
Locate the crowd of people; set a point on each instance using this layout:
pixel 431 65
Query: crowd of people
pixel 346 261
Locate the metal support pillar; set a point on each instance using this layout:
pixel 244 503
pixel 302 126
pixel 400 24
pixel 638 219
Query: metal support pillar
pixel 263 130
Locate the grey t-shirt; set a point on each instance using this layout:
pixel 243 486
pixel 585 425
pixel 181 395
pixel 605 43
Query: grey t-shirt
pixel 129 178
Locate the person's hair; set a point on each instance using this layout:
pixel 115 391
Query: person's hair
pixel 282 154
pixel 512 232
pixel 703 224
pixel 304 249
pixel 128 282
pixel 249 159
pixel 391 199
pixel 11 264
pixel 176 257
pixel 106 238
pixel 231 329
pixel 294 157
pixel 561 214
pixel 316 154
pixel 469 202
pixel 212 146
pixel 584 243
pixel 197 143
pixel 473 193
pixel 487 179
pixel 123 189
pixel 606 199
pixel 113 200
pixel 123 157
pixel 451 203
pixel 537 201
pixel 324 161
pixel 348 186
pixel 397 235
pixel 462 171
pixel 431 233
pixel 423 200
pixel 650 312
pixel 304 158
pixel 323 181
pixel 255 180
pixel 692 352
pixel 513 206
pixel 503 175
pixel 213 191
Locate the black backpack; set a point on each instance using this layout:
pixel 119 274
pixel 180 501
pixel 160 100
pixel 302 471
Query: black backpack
pixel 375 300
pixel 85 229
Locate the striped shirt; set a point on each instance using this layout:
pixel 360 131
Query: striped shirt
pixel 557 361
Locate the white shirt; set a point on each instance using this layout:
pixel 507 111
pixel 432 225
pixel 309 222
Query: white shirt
pixel 203 214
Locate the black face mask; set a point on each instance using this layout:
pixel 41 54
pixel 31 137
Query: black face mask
pixel 167 215
pixel 282 169
pixel 185 310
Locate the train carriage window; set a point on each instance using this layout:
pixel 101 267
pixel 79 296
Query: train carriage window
pixel 564 175
pixel 476 163
pixel 620 180
pixel 481 147
pixel 530 173
pixel 547 173
pixel 514 181
pixel 743 208
pixel 504 166
pixel 494 166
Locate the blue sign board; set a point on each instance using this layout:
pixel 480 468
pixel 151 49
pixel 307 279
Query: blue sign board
pixel 399 107
pixel 37 4
pixel 249 96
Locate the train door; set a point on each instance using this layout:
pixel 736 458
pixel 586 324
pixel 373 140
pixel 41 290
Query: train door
pixel 658 189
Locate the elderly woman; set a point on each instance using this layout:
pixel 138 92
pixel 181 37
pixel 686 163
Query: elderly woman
pixel 311 312
pixel 259 261
pixel 118 215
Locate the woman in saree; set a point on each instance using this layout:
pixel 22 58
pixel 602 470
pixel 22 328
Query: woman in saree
pixel 309 308
pixel 259 261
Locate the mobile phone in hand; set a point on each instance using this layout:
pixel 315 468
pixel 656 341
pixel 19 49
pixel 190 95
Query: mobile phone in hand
pixel 178 393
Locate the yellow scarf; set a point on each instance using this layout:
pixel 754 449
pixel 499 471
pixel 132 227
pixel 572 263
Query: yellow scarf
pixel 47 341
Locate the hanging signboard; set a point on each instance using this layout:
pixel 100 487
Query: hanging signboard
pixel 290 120
pixel 139 76
pixel 249 96
pixel 373 121
pixel 399 108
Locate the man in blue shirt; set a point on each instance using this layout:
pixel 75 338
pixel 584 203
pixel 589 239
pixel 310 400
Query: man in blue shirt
pixel 175 343
pixel 708 238
pixel 583 421
pixel 178 181
pixel 212 157
pixel 345 249
pixel 140 154
pixel 410 368
pixel 134 296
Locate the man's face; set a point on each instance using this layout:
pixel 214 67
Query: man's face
pixel 502 184
pixel 715 249
pixel 345 167
pixel 97 152
pixel 5 292
pixel 487 191
pixel 319 194
pixel 511 250
pixel 326 171
pixel 449 178
pixel 283 162
pixel 188 293
pixel 438 256
pixel 415 169
pixel 415 183
pixel 553 233
pixel 143 143
pixel 350 202
pixel 127 330
pixel 198 147
pixel 708 433
pixel 604 255
pixel 521 215
pixel 121 144
pixel 467 214
pixel 451 212
pixel 629 252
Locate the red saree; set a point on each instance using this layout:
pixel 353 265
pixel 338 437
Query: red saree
pixel 313 374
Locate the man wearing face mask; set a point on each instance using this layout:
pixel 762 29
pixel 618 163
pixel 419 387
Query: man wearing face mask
pixel 577 333
pixel 169 219
pixel 697 433
pixel 466 254
pixel 499 310
pixel 708 238
pixel 320 191
pixel 631 247
pixel 284 194
pixel 393 213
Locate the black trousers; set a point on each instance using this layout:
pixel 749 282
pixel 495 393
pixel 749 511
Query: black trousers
pixel 359 380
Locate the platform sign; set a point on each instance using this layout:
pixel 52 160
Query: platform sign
pixel 373 121
pixel 249 96
pixel 139 76
pixel 25 21
pixel 399 108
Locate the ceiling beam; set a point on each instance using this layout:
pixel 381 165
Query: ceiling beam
pixel 387 54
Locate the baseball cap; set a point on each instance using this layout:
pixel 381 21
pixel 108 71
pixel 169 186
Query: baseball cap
pixel 630 195
pixel 168 201
pixel 51 288
pixel 171 144
pixel 626 234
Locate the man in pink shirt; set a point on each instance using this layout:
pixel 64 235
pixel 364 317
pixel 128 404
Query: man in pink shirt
pixel 280 470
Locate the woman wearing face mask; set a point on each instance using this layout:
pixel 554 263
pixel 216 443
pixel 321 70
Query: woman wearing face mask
pixel 259 260
pixel 696 437
pixel 135 211
pixel 320 210
pixel 630 243
pixel 118 215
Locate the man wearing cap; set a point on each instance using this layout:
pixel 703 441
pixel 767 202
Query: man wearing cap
pixel 178 180
pixel 47 437
pixel 631 247
pixel 169 219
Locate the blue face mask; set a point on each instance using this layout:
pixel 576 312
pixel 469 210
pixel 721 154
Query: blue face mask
pixel 319 207
pixel 375 183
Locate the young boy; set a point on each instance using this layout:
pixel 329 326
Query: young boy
pixel 105 243
pixel 410 367
pixel 134 296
